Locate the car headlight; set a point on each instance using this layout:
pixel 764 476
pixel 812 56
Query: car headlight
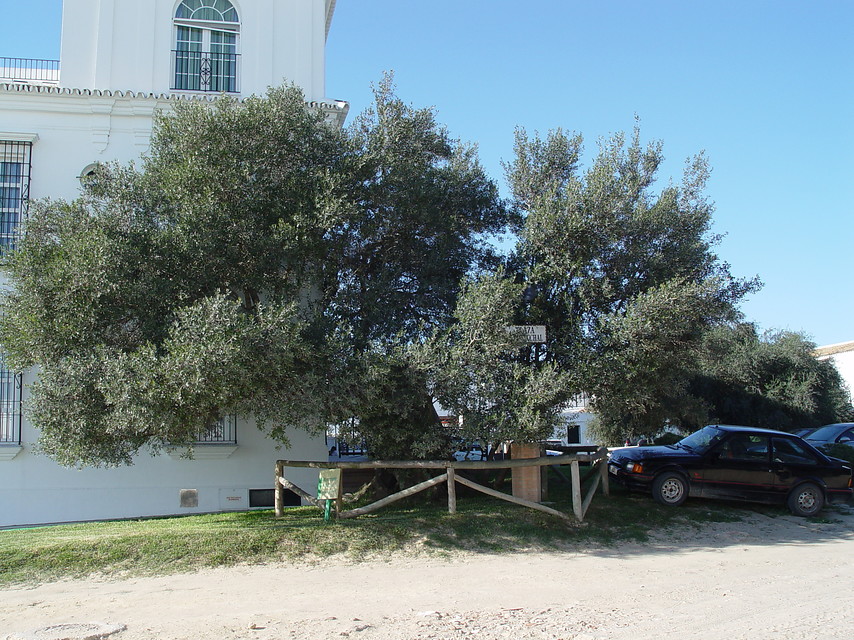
pixel 634 467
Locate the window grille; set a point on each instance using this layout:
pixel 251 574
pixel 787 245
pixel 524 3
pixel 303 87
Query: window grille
pixel 15 169
pixel 205 56
pixel 11 384
pixel 223 431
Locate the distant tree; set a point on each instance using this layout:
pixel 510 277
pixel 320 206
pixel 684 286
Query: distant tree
pixel 625 279
pixel 771 380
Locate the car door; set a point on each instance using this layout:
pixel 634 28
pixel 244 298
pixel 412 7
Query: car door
pixel 739 468
pixel 846 437
pixel 792 463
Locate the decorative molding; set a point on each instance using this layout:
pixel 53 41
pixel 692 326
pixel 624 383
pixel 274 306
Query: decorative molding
pixel 17 136
pixel 8 452
pixel 203 452
pixel 336 110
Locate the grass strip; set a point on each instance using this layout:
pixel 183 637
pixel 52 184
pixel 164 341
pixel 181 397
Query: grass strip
pixel 159 546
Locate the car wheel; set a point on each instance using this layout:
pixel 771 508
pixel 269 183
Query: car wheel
pixel 670 488
pixel 806 500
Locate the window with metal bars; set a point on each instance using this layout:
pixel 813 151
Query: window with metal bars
pixel 15 169
pixel 10 404
pixel 223 431
pixel 205 57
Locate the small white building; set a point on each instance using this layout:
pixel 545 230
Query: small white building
pixel 121 61
pixel 575 423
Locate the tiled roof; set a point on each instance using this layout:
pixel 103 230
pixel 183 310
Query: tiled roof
pixel 332 105
pixel 833 349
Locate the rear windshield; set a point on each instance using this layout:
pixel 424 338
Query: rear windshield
pixel 824 433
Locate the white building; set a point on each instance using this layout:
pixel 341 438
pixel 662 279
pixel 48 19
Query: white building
pixel 575 423
pixel 842 355
pixel 121 61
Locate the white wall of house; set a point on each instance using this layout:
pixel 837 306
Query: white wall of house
pixel 576 415
pixel 842 355
pixel 128 45
pixel 116 72
pixel 35 490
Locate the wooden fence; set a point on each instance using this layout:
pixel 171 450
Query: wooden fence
pixel 580 503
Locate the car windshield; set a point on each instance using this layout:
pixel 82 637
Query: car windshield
pixel 824 433
pixel 700 441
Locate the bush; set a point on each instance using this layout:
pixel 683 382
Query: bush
pixel 667 438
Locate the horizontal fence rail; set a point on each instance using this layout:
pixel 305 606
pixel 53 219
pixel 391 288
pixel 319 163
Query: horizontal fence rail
pixel 580 503
pixel 29 69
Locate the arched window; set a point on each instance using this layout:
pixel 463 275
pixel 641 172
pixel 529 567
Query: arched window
pixel 206 46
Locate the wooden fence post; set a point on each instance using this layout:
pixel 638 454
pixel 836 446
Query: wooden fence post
pixel 452 490
pixel 280 496
pixel 604 471
pixel 575 474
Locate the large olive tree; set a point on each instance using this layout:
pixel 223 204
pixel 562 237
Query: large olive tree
pixel 258 261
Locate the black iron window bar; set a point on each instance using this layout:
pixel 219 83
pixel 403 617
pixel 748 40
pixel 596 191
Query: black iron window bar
pixel 15 170
pixel 223 431
pixel 205 71
pixel 11 386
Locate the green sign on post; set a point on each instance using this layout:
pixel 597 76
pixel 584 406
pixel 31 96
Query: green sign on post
pixel 329 489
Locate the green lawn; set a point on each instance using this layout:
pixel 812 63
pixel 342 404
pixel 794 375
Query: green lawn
pixel 482 524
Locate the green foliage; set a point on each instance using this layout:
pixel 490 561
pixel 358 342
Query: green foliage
pixel 667 438
pixel 475 371
pixel 626 278
pixel 771 380
pixel 260 262
pixel 421 211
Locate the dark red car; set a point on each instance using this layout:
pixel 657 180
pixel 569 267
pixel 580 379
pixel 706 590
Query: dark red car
pixel 736 463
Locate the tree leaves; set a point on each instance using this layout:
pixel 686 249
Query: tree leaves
pixel 260 262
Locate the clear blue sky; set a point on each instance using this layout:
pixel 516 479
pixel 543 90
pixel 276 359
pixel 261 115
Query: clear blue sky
pixel 764 87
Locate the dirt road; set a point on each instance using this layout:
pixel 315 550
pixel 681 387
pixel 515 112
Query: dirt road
pixel 765 577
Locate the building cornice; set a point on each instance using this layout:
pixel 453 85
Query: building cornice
pixel 833 349
pixel 330 10
pixel 17 136
pixel 335 110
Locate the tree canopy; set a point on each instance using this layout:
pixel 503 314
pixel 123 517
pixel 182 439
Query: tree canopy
pixel 624 277
pixel 258 262
pixel 770 380
pixel 264 263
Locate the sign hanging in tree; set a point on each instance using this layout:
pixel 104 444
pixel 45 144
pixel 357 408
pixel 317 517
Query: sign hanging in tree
pixel 533 334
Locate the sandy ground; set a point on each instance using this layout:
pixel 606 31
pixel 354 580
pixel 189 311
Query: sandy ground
pixel 765 577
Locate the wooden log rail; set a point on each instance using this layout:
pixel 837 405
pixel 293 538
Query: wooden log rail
pixel 580 503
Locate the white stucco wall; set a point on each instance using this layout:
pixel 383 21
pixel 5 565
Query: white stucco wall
pixel 35 490
pixel 580 416
pixel 124 45
pixel 70 130
pixel 73 130
pixel 116 72
pixel 844 361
